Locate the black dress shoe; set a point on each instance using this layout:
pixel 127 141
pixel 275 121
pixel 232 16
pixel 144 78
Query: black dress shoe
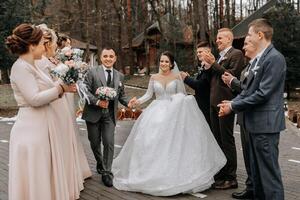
pixel 246 194
pixel 107 180
pixel 100 169
pixel 227 185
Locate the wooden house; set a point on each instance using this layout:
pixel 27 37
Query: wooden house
pixel 172 35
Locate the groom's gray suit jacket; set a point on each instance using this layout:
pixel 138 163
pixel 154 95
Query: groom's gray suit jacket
pixel 262 98
pixel 94 79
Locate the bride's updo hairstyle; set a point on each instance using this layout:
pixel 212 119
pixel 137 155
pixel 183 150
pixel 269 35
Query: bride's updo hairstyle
pixel 170 56
pixel 22 37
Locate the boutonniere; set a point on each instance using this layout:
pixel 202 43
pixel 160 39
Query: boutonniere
pixel 224 58
pixel 255 69
pixel 120 84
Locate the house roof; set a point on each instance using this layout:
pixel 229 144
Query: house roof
pixel 241 29
pixel 173 30
pixel 82 45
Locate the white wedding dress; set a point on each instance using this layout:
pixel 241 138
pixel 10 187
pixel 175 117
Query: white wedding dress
pixel 171 148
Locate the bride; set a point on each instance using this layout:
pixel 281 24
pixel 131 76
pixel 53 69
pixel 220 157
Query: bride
pixel 170 149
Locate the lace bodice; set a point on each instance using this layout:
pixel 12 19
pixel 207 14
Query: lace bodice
pixel 162 89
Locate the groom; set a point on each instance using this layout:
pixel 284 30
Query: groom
pixel 101 125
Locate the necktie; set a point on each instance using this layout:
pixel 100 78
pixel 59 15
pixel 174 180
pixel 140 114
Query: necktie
pixel 108 81
pixel 219 59
pixel 250 66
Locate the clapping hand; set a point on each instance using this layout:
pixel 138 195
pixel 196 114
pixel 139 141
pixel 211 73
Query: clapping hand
pixel 208 59
pixel 225 108
pixel 227 78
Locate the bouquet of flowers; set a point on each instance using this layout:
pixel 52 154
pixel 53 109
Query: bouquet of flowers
pixel 107 94
pixel 71 68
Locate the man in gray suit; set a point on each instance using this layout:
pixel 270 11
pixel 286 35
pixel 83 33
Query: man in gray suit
pixel 262 103
pixel 237 86
pixel 101 124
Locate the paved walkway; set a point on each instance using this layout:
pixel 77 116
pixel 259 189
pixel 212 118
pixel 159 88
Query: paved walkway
pixel 94 189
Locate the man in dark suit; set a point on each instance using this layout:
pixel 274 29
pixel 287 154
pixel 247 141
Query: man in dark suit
pixel 201 84
pixel 262 103
pixel 237 86
pixel 101 124
pixel 230 60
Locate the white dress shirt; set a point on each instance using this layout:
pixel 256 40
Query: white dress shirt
pixel 223 53
pixel 106 73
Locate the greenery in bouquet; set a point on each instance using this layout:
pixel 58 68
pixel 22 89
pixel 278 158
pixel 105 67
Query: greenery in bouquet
pixel 106 93
pixel 71 68
pixel 68 53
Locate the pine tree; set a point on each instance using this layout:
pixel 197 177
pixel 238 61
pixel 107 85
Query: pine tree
pixel 13 13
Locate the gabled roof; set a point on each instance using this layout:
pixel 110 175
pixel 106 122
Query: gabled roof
pixel 82 45
pixel 241 29
pixel 173 30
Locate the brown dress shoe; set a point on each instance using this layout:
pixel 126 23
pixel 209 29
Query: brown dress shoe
pixel 227 185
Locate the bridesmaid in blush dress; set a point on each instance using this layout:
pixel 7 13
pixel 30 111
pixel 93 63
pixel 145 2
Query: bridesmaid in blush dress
pixel 36 154
pixel 46 65
pixel 76 165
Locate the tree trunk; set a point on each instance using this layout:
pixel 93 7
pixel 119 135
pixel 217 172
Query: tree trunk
pixel 98 29
pixel 196 17
pixel 216 16
pixel 152 4
pixel 130 36
pixel 227 14
pixel 87 52
pixel 221 14
pixel 118 9
pixel 169 6
pixel 203 19
pixel 241 10
pixel 232 21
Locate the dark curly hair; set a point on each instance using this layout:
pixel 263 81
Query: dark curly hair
pixel 22 37
pixel 170 56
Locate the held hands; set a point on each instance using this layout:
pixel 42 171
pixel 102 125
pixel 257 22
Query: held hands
pixel 227 78
pixel 184 75
pixel 133 102
pixel 103 103
pixel 225 108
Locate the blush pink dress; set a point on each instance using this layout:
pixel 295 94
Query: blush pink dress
pixel 44 161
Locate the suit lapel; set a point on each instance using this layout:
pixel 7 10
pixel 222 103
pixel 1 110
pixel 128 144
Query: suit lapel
pixel 260 61
pixel 262 58
pixel 225 57
pixel 101 75
pixel 116 79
